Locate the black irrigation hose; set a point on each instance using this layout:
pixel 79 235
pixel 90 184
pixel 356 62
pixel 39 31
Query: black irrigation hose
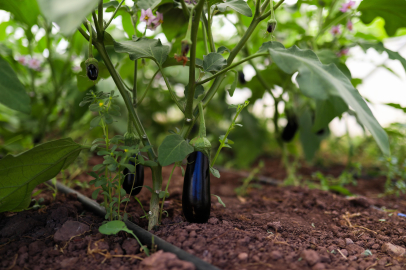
pixel 144 236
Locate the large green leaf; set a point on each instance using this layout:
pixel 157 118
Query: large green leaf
pixel 380 49
pixel 392 11
pixel 20 174
pixel 152 4
pixel 310 140
pixel 67 14
pixel 12 91
pixel 320 81
pixel 144 48
pixel 238 5
pixel 173 149
pixel 327 110
pixel 25 11
pixel 213 62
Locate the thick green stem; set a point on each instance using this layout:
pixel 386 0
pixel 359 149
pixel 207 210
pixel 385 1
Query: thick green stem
pixel 154 203
pixel 192 69
pixel 202 128
pixel 208 28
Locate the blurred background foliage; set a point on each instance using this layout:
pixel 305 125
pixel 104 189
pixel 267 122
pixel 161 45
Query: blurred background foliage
pixel 50 66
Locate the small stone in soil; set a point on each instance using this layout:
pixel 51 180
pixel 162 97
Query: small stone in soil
pixel 69 262
pixel 318 266
pixel 165 260
pixel 69 229
pixel 276 255
pixel 348 241
pixel 310 256
pixel 242 256
pixel 393 250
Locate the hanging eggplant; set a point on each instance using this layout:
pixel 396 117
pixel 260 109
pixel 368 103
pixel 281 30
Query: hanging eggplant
pixel 92 65
pixel 196 186
pixel 291 127
pixel 196 201
pixel 133 182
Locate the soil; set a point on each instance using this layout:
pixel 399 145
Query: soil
pixel 270 228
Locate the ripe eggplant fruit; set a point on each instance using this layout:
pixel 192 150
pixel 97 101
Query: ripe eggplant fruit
pixel 92 69
pixel 133 183
pixel 196 201
pixel 290 129
pixel 241 77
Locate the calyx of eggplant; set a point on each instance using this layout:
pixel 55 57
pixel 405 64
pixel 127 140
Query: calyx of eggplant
pixel 201 143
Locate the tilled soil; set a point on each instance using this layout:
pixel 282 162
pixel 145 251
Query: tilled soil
pixel 271 228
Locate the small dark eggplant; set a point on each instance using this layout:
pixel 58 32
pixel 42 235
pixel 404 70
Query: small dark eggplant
pixel 133 183
pixel 196 201
pixel 290 129
pixel 92 69
pixel 241 77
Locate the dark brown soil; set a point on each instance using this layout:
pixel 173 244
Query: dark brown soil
pixel 271 228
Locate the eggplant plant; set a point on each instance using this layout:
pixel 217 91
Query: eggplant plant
pixel 321 84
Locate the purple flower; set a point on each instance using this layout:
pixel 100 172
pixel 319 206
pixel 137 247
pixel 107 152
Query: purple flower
pixel 347 6
pixel 147 16
pixel 350 26
pixel 34 64
pixel 23 60
pixel 336 30
pixel 159 19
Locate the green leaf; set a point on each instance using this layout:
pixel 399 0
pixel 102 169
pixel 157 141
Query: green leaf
pixel 215 173
pixel 234 84
pixel 219 199
pixel 319 81
pixel 150 163
pixel 213 62
pixel 12 91
pixel 115 226
pixel 222 49
pixel 25 11
pixel 327 110
pixel 238 5
pixel 393 12
pixel 144 48
pixel 68 15
pixel 309 140
pixel 198 91
pixel 380 49
pixel 173 148
pixel 95 121
pixel 396 106
pixel 152 4
pixel 22 173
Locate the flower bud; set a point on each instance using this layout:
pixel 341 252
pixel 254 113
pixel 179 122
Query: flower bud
pixel 271 26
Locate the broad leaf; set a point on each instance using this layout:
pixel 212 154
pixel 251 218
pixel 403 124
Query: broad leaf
pixel 213 62
pixel 173 149
pixel 238 5
pixel 152 4
pixel 12 91
pixel 310 140
pixel 319 81
pixel 144 48
pixel 380 49
pixel 396 106
pixel 22 173
pixel 25 11
pixel 115 226
pixel 327 110
pixel 68 15
pixel 393 12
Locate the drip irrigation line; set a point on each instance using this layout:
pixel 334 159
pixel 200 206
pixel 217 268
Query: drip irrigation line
pixel 144 236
